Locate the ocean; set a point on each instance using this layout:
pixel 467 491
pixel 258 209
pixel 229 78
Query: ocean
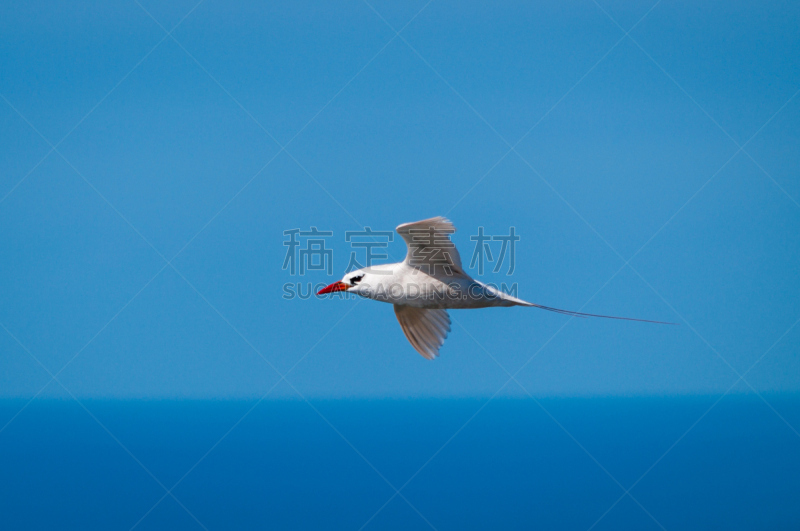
pixel 559 463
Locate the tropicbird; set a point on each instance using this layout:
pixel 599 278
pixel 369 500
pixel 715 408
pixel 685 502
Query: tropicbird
pixel 430 281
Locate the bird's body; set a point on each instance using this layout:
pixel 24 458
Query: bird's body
pixel 427 283
pixel 407 285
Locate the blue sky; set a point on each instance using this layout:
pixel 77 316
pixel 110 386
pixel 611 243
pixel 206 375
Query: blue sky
pixel 201 148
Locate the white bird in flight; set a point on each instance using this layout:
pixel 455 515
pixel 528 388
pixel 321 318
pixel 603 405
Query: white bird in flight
pixel 428 282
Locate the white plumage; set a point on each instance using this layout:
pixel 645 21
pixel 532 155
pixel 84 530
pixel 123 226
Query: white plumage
pixel 429 282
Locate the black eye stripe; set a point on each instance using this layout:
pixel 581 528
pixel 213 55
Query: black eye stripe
pixel 356 280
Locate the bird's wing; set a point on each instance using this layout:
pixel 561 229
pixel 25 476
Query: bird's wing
pixel 425 329
pixel 429 245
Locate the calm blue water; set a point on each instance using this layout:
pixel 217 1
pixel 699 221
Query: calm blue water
pixel 512 466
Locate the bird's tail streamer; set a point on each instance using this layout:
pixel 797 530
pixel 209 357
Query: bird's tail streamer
pixel 583 315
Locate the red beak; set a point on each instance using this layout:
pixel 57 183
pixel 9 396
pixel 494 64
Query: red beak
pixel 336 286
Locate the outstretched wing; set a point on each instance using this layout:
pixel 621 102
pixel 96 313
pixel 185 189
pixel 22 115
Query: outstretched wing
pixel 429 246
pixel 426 330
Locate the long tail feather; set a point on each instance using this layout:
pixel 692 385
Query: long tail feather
pixel 579 314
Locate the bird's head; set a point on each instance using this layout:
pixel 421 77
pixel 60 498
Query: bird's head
pixel 352 282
